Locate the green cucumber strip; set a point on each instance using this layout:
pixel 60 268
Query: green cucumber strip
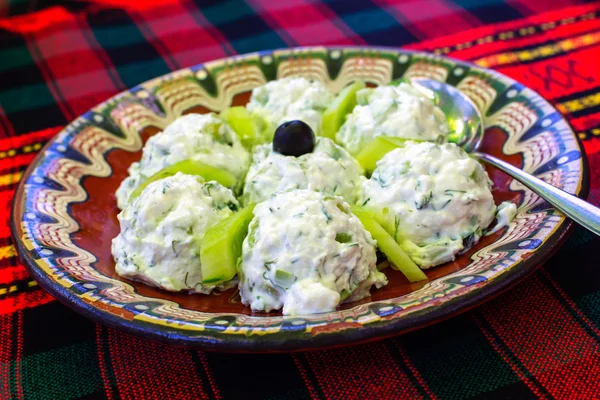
pixel 398 142
pixel 398 81
pixel 398 258
pixel 284 278
pixel 246 125
pixel 221 247
pixel 343 238
pixel 383 265
pixel 190 167
pixel 362 96
pixel 378 148
pixel 344 295
pixel 375 151
pixel 343 104
pixel 428 93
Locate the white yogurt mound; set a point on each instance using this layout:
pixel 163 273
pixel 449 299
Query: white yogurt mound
pixel 201 137
pixel 505 214
pixel 434 199
pixel 160 229
pixel 400 111
pixel 328 169
pixel 290 99
pixel 306 253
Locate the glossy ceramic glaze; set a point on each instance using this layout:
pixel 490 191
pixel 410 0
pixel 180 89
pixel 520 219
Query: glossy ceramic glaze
pixel 65 214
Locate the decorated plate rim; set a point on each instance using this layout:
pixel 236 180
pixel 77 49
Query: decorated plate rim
pixel 300 337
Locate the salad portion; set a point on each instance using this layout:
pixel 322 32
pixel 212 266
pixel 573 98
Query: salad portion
pixel 328 183
pixel 434 199
pixel 290 99
pixel 401 111
pixel 328 168
pixel 306 252
pixel 199 137
pixel 160 228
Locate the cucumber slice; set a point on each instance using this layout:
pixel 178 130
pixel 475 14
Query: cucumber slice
pixel 398 81
pixel 344 295
pixel 284 279
pixel 342 105
pixel 190 167
pixel 248 126
pixel 376 149
pixel 362 96
pixel 221 247
pixel 398 258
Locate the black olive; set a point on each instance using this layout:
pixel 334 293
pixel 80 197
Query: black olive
pixel 294 138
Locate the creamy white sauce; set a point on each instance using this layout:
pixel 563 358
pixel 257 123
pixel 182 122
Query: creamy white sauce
pixel 160 229
pixel 504 216
pixel 400 111
pixel 290 99
pixel 434 199
pixel 304 252
pixel 202 137
pixel 328 169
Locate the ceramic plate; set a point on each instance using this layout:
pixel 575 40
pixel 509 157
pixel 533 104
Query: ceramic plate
pixel 65 214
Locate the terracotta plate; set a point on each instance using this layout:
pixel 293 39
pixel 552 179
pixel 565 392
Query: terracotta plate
pixel 65 214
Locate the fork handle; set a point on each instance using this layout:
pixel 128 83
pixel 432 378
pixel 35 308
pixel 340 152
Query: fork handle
pixel 575 208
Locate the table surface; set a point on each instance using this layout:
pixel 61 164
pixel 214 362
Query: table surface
pixel 59 58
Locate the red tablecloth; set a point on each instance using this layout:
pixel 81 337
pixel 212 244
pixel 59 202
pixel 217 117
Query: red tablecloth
pixel 57 59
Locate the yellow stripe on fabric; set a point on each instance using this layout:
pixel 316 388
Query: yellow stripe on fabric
pixel 9 179
pixel 589 133
pixel 543 51
pixel 517 33
pixel 22 150
pixel 7 252
pixel 11 289
pixel 582 103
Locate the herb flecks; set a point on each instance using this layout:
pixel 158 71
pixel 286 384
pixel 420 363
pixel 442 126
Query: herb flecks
pixel 326 213
pixel 396 227
pixel 425 200
pixel 451 191
pixel 269 264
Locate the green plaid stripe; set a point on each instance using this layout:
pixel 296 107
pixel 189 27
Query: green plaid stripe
pixel 66 372
pixel 457 345
pixel 134 58
pixel 14 58
pixel 239 23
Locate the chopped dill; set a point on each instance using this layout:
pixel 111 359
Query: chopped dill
pixel 449 191
pixel 424 201
pixel 269 264
pixel 326 213
pixel 396 227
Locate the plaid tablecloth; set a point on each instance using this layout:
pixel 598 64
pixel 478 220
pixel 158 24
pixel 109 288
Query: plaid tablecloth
pixel 57 59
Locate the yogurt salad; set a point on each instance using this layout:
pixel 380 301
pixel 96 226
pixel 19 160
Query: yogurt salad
pixel 204 138
pixel 397 111
pixel 328 169
pixel 434 199
pixel 295 198
pixel 160 228
pixel 306 252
